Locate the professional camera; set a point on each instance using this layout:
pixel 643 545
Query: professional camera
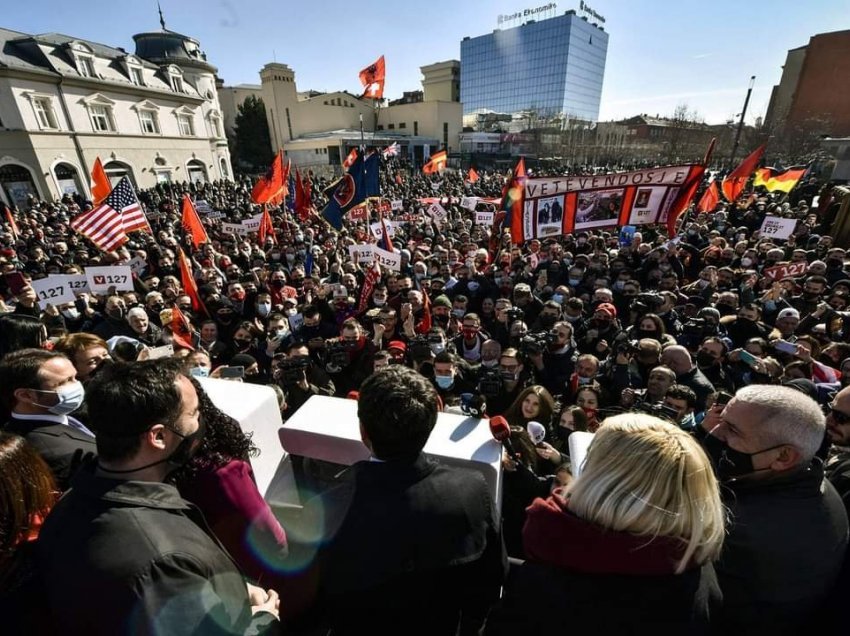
pixel 647 302
pixel 694 331
pixel 658 409
pixel 625 346
pixel 292 370
pixel 336 355
pixel 420 349
pixel 536 343
pixel 490 383
pixel 514 314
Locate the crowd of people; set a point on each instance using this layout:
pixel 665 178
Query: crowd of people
pixel 713 498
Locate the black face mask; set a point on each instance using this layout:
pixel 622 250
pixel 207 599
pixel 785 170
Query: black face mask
pixel 647 333
pixel 704 359
pixel 241 344
pixel 732 464
pixel 182 455
pixel 810 295
pixel 116 314
pixel 547 321
pixel 564 433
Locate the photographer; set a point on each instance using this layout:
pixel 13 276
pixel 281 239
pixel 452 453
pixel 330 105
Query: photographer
pixel 599 333
pixel 348 359
pixel 300 378
pixel 661 378
pixel 514 378
pixel 683 400
pixel 631 365
pixel 555 364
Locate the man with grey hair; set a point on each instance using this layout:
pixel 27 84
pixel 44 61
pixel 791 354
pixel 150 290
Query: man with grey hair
pixel 788 529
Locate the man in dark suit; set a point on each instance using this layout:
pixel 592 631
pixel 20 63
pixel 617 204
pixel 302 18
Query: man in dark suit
pixel 407 545
pixel 40 389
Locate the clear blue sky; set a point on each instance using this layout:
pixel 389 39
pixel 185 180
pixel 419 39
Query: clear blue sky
pixel 661 53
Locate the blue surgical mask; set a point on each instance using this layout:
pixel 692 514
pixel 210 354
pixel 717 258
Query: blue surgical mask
pixel 574 282
pixel 70 396
pixel 264 309
pixel 199 372
pixel 558 298
pixel 438 347
pixel 444 381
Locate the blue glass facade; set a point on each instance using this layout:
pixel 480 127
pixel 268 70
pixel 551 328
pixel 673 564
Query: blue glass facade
pixel 552 66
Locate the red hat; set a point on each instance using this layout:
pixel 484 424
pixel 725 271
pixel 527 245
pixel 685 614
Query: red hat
pixel 397 344
pixel 607 308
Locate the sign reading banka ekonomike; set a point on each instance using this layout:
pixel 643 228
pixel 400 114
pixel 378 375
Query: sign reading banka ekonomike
pixel 560 205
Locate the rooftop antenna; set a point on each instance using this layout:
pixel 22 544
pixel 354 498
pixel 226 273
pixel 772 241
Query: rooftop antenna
pixel 161 18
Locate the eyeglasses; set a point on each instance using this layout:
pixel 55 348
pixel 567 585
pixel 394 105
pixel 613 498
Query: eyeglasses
pixel 839 417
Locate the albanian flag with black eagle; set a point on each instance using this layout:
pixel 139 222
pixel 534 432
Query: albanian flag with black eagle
pixel 359 182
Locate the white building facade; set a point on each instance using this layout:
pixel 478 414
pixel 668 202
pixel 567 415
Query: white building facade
pixel 153 116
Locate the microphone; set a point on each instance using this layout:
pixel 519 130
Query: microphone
pixel 536 432
pixel 501 432
pixel 353 395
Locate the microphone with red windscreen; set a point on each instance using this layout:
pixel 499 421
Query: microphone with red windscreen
pixel 501 432
pixel 353 395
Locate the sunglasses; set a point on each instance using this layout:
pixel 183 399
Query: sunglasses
pixel 839 417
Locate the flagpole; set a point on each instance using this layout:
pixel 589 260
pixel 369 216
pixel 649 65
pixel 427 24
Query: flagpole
pixel 741 122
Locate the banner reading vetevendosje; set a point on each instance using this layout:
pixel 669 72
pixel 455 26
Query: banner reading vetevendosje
pixel 560 205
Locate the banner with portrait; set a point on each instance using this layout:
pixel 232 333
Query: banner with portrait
pixel 560 205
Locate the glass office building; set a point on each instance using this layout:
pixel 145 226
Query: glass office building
pixel 551 67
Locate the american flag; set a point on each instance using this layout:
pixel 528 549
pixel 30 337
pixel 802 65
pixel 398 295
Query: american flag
pixel 120 212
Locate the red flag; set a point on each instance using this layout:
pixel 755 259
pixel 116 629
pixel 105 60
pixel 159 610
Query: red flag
pixel 100 186
pixel 266 228
pixel 710 198
pixel 512 195
pixel 271 188
pixel 11 220
pixel 192 223
pixel 372 78
pixel 349 159
pixel 181 331
pixel 187 281
pixel 683 199
pixel 735 181
pixel 372 278
pixel 425 325
pixel 387 243
pixel 436 163
pixel 303 196
pixel 472 177
pixel 398 178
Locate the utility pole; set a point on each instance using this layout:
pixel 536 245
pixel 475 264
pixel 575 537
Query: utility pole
pixel 741 122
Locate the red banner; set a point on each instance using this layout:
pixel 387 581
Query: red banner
pixel 778 272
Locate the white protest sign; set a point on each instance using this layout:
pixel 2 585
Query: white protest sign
pixel 165 351
pixel 390 260
pixel 138 265
pixel 102 278
pixel 53 290
pixel 253 224
pixel 295 322
pixel 398 204
pixel 483 218
pixel 78 283
pixel 235 228
pixel 469 202
pixel 777 228
pixel 215 214
pixel 438 212
pixel 363 251
pixel 202 207
pixel 377 230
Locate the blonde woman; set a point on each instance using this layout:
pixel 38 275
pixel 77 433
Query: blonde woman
pixel 627 546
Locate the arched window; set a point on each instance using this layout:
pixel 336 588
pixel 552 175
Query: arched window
pixel 67 178
pixel 17 183
pixel 117 169
pixel 197 171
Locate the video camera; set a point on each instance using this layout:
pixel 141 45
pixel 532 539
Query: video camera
pixel 490 383
pixel 694 331
pixel 336 355
pixel 419 348
pixel 514 314
pixel 658 409
pixel 292 370
pixel 533 344
pixel 647 302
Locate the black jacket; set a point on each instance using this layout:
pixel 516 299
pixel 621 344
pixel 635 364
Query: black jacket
pixel 133 557
pixel 63 447
pixel 783 552
pixel 410 548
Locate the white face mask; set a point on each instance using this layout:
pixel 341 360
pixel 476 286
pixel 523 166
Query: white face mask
pixel 71 313
pixel 70 396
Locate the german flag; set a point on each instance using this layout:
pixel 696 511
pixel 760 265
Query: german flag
pixel 782 180
pixel 437 163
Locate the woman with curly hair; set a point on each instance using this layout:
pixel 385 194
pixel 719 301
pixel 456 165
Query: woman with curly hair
pixel 220 481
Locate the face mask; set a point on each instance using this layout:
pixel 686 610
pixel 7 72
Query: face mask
pixel 437 347
pixel 547 321
pixel 564 433
pixel 572 319
pixel 574 282
pixel 746 262
pixel 558 298
pixel 469 334
pixel 188 446
pixel 275 256
pixel 263 309
pixel 241 344
pixel 510 376
pixel 379 302
pixel 199 372
pixel 71 313
pixel 116 314
pixel 704 359
pixel 290 257
pixel 583 380
pixel 489 364
pixel 458 313
pixel 70 397
pixel 277 284
pixel 732 464
pixel 444 381
pixel 619 284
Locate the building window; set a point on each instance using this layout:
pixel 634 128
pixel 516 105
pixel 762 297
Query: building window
pixel 216 127
pixel 85 65
pixel 136 76
pixel 150 122
pixel 177 83
pixel 289 124
pixel 402 125
pixel 187 127
pixel 44 113
pixel 101 118
pixel 416 128
pixel 446 134
pixel 380 126
pixel 390 126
